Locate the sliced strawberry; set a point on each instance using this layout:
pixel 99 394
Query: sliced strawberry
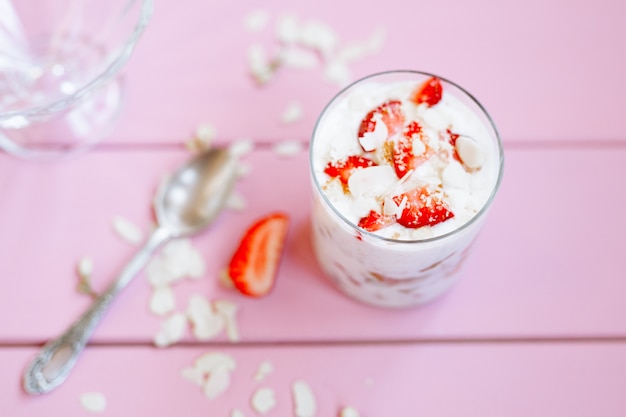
pixel 429 92
pixel 451 138
pixel 375 221
pixel 403 153
pixel 344 168
pixel 421 208
pixel 390 113
pixel 254 264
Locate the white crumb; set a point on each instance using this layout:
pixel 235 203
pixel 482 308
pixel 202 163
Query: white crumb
pixel 203 138
pixel 158 273
pixel 265 368
pixel 338 73
pixel 212 372
pixel 178 259
pixel 303 399
pixel 225 279
pixel 95 402
pixel 217 382
pixel 172 330
pixel 241 147
pixel 206 324
pixel 357 50
pixel 263 400
pixel 127 230
pixel 206 133
pixel 287 29
pixel 319 36
pixel 287 148
pixel 256 20
pixel 236 413
pixel 257 57
pixel 243 170
pixel 235 202
pixel 196 266
pixel 292 113
pixel 348 411
pixel 228 311
pixel 299 58
pixel 211 361
pixel 162 301
pixel 193 374
pixel 85 267
pixel 262 68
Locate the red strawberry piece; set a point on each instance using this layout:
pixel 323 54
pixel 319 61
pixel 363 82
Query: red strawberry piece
pixel 375 221
pixel 390 113
pixel 429 92
pixel 403 154
pixel 344 168
pixel 451 137
pixel 421 208
pixel 254 264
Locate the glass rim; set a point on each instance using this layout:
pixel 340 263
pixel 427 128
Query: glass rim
pixel 146 11
pixel 373 235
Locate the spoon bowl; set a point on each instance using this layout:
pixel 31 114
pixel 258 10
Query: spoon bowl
pixel 186 203
pixel 192 197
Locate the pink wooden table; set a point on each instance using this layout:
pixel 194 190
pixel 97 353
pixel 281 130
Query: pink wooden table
pixel 535 327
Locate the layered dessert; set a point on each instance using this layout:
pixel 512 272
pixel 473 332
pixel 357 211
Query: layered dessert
pixel 404 168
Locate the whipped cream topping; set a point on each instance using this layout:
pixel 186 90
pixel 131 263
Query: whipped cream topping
pixel 459 172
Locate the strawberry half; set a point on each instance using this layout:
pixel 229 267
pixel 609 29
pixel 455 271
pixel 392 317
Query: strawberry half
pixel 422 208
pixel 344 168
pixel 390 113
pixel 254 264
pixel 403 153
pixel 429 92
pixel 375 221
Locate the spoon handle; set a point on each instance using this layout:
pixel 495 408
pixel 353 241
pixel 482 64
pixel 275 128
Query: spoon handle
pixel 57 358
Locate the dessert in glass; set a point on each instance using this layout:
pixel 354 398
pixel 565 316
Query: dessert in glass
pixel 404 166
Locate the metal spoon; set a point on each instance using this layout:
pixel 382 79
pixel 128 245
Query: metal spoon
pixel 185 204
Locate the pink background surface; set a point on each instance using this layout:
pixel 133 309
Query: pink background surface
pixel 535 327
pixel 540 248
pixel 545 69
pixel 403 380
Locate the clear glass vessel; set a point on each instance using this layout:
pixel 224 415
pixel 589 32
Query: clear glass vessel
pixel 381 269
pixel 60 64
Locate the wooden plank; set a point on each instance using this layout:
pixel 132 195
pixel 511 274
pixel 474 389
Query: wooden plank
pixel 548 263
pixel 561 80
pixel 443 380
